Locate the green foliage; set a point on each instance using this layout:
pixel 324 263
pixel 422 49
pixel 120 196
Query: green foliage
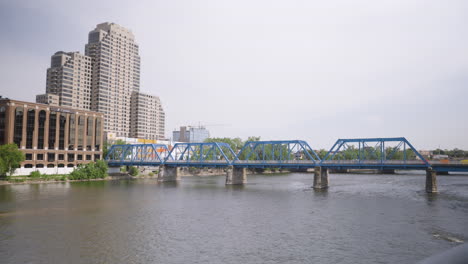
pixel 322 153
pixel 35 174
pixel 453 154
pixel 151 174
pixel 10 159
pixel 108 144
pixel 93 170
pixel 133 171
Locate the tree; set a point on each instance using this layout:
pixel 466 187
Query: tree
pixel 321 153
pixel 10 159
pixel 107 146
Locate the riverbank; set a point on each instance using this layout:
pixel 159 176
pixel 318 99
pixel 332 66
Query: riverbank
pixel 145 174
pixel 59 178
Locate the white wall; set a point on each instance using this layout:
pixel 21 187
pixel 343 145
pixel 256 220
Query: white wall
pixel 26 171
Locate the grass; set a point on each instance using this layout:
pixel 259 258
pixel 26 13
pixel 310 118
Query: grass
pixel 42 177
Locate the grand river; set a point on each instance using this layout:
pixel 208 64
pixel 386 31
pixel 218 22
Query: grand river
pixel 272 219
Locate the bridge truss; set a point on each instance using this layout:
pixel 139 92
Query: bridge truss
pixel 374 153
pixel 277 154
pixel 137 155
pixel 214 154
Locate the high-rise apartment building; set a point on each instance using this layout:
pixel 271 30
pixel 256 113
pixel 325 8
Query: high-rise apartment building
pixel 69 79
pixel 104 80
pixel 147 118
pixel 116 74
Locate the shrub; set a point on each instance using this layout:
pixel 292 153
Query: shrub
pixel 102 168
pixel 151 174
pixel 35 174
pixel 93 170
pixel 133 171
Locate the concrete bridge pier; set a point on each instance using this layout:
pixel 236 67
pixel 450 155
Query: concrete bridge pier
pixel 387 171
pixel 431 181
pixel 113 170
pixel 320 178
pixel 236 176
pixel 168 174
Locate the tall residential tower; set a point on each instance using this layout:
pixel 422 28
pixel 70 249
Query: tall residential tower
pixel 116 74
pixel 106 80
pixel 68 81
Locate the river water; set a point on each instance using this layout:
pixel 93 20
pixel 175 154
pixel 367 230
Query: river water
pixel 272 219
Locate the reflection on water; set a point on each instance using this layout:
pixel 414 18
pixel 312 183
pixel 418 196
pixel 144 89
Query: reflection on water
pixel 272 219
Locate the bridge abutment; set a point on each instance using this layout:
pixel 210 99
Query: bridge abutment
pixel 168 174
pixel 320 178
pixel 236 175
pixel 431 181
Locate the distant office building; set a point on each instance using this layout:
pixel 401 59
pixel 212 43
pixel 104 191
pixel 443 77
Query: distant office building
pixel 69 78
pixel 54 139
pixel 190 134
pixel 116 75
pixel 147 117
pixel 50 99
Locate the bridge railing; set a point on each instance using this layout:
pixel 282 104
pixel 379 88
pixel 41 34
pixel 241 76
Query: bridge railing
pixel 373 162
pixel 448 162
pixel 274 162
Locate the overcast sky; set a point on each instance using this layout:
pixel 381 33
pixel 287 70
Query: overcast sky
pixel 311 70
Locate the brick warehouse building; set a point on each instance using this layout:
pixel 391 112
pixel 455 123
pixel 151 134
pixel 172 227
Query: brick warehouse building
pixel 54 139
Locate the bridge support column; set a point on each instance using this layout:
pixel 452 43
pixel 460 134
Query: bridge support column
pixel 113 170
pixel 168 174
pixel 431 181
pixel 387 171
pixel 320 178
pixel 236 176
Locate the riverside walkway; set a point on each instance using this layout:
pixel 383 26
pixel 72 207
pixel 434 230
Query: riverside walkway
pixel 384 154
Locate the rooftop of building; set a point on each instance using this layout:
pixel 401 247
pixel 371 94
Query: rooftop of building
pixel 4 100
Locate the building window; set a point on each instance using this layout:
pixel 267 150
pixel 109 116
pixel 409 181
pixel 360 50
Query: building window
pixel 2 125
pixel 40 157
pixel 71 133
pixel 97 137
pixel 52 129
pixel 62 125
pixel 28 156
pixel 97 157
pixel 80 157
pixel 39 165
pixel 18 133
pixel 30 128
pixel 61 157
pixel 50 166
pixel 50 157
pixel 88 157
pixel 71 157
pixel 28 166
pixel 89 133
pixel 40 135
pixel 80 132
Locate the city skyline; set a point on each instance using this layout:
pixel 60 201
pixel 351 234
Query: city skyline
pixel 311 71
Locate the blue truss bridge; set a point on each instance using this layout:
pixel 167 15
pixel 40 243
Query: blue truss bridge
pixel 386 154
